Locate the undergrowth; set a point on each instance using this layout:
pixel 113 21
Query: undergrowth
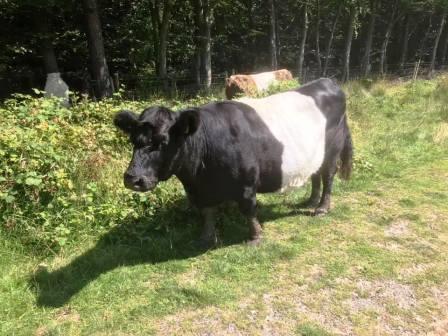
pixel 61 169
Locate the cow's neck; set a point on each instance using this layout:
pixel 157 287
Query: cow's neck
pixel 191 158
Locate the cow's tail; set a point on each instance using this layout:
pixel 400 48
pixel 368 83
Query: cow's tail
pixel 346 156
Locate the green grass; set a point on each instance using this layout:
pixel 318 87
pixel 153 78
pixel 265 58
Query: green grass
pixel 377 264
pixel 311 330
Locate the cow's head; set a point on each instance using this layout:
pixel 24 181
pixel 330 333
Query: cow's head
pixel 157 135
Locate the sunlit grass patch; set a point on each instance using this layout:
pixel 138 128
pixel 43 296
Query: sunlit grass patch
pixel 310 329
pixel 86 256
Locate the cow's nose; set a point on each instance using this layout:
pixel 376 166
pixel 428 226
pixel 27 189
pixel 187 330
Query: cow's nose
pixel 137 183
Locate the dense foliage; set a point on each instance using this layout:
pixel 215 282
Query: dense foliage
pixel 198 41
pixel 60 171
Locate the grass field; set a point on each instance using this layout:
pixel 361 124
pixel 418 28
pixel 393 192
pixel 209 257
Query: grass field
pixel 377 264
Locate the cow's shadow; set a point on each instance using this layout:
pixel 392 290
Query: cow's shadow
pixel 143 241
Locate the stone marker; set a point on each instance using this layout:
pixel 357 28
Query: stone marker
pixel 56 87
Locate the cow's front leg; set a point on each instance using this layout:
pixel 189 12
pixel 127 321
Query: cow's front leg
pixel 208 235
pixel 248 207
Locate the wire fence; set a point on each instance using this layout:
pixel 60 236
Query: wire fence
pixel 405 71
pixel 185 86
pixel 138 87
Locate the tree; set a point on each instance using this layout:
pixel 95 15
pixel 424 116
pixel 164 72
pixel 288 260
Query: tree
pixel 161 12
pixel 365 64
pixel 444 49
pixel 203 14
pixel 436 43
pixel 390 26
pixel 405 41
pixel 273 35
pixel 317 35
pixel 98 65
pixel 303 40
pixel 54 85
pixel 146 40
pixel 330 39
pixel 353 13
pixel 421 50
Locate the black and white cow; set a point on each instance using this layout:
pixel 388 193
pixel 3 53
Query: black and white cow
pixel 232 150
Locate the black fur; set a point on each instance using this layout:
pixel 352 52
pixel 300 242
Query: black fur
pixel 223 151
pixel 330 99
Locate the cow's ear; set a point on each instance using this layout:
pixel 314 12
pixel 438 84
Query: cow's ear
pixel 187 123
pixel 126 121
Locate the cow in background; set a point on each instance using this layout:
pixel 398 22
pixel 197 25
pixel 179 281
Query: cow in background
pixel 249 85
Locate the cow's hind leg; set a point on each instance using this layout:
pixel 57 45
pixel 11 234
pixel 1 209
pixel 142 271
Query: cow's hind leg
pixel 248 207
pixel 314 199
pixel 208 236
pixel 328 171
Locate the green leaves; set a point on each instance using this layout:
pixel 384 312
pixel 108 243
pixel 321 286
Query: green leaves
pixel 61 172
pixel 33 181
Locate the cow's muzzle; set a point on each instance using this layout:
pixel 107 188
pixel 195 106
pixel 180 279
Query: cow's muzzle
pixel 139 183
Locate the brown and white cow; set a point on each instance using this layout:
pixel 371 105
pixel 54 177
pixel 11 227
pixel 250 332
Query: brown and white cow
pixel 252 84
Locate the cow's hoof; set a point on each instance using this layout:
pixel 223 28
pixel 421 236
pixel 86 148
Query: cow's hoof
pixel 309 204
pixel 254 242
pixel 320 211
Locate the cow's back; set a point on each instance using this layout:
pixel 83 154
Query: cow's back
pixel 237 148
pixel 298 124
pixel 274 142
pixel 329 98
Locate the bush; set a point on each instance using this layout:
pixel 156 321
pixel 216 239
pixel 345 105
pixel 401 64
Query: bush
pixel 60 171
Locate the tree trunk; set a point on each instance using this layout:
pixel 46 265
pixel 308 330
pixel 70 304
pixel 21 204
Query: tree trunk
pixel 155 26
pixel 50 62
pixel 348 43
pixel 404 47
pixel 251 43
pixel 366 66
pixel 423 41
pixel 444 51
pixel 54 84
pixel 273 36
pixel 207 49
pixel 46 43
pixel 42 22
pixel 99 68
pixel 197 16
pixel 203 21
pixel 319 62
pixel 436 44
pixel 390 26
pixel 163 42
pixel 303 41
pixel 163 39
pixel 330 41
pixel 197 68
pixel 160 29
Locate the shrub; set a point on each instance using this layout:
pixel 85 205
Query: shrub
pixel 60 171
